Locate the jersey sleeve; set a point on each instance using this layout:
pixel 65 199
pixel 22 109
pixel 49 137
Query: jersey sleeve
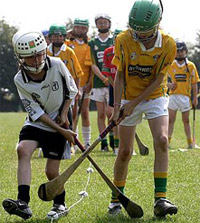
pixel 194 73
pixel 167 58
pixel 70 85
pixel 88 58
pixel 30 104
pixel 76 70
pixel 106 65
pixel 118 59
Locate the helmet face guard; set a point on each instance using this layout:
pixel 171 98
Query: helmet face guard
pixel 144 19
pixel 28 45
pixel 181 50
pixel 145 36
pixel 105 17
pixel 34 64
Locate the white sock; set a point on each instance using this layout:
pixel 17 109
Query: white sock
pixel 86 133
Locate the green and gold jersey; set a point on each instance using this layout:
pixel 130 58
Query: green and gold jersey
pixel 183 76
pixel 97 47
pixel 82 51
pixel 141 66
pixel 68 56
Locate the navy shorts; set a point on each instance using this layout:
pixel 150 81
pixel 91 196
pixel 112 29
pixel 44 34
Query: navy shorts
pixel 52 143
pixel 111 96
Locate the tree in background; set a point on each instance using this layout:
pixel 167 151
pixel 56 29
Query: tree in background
pixel 8 67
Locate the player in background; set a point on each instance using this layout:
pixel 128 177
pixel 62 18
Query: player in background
pixel 41 82
pixel 100 91
pixel 58 48
pixel 46 36
pixel 109 70
pixel 143 54
pixel 79 43
pixel 183 78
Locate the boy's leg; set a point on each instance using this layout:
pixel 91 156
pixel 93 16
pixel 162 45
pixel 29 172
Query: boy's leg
pixel 59 209
pixel 159 129
pixel 121 164
pixel 186 123
pixel 172 118
pixel 20 206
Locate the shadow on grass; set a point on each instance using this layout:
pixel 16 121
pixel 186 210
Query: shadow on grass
pixel 125 219
pixel 31 220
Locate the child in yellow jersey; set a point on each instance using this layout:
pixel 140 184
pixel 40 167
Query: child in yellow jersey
pixel 183 77
pixel 143 55
pixel 58 48
pixel 78 42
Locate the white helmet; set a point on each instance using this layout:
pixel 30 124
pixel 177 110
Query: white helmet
pixel 28 44
pixel 102 16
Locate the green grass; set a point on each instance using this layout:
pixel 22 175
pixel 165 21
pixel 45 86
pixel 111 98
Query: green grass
pixel 183 184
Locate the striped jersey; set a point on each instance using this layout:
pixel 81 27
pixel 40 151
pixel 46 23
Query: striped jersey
pixel 69 58
pixel 141 66
pixel 184 75
pixel 97 47
pixel 47 95
pixel 82 51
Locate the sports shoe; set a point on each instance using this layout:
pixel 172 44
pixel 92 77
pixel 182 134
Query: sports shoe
pixel 17 207
pixel 162 207
pixel 86 146
pixel 104 148
pixel 57 211
pixel 190 146
pixel 116 150
pixel 114 208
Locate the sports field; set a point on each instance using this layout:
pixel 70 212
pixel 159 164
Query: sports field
pixel 183 184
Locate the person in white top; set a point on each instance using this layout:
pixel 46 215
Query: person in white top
pixel 46 89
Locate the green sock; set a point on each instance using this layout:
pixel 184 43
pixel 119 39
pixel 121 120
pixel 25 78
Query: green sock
pixel 121 186
pixel 160 181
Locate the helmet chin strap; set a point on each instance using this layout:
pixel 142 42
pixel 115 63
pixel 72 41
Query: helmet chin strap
pixel 104 30
pixel 180 58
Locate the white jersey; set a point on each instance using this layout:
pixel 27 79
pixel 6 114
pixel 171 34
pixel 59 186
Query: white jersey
pixel 47 95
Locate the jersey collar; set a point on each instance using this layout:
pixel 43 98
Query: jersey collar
pixel 158 43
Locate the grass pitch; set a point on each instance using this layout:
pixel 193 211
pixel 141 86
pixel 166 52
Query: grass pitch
pixel 183 183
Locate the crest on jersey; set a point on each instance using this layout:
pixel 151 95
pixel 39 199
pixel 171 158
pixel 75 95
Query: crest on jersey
pixel 55 86
pixel 96 47
pixel 133 56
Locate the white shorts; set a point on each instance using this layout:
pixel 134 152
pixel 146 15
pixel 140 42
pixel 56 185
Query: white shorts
pixel 179 102
pixel 87 95
pixel 100 94
pixel 151 109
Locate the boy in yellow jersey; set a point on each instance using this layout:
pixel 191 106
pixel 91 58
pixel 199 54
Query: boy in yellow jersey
pixel 78 42
pixel 58 48
pixel 183 77
pixel 143 55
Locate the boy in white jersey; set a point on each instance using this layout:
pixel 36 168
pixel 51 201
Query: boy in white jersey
pixel 143 55
pixel 183 78
pixel 46 89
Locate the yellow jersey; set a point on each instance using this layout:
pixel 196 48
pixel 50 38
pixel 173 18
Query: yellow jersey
pixel 183 75
pixel 67 55
pixel 141 66
pixel 82 51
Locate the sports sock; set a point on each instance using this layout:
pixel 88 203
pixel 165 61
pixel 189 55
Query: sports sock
pixel 86 133
pixel 160 181
pixel 169 139
pixel 24 193
pixel 60 199
pixel 104 142
pixel 120 185
pixel 111 140
pixel 189 141
pixel 116 142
